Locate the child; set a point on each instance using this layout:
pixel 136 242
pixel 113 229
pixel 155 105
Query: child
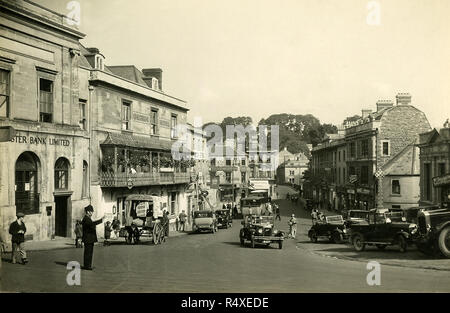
pixel 107 233
pixel 78 234
pixel 18 229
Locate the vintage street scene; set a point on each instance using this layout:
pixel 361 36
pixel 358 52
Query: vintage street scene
pixel 224 147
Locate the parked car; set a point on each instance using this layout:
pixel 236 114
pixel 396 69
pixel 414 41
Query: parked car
pixel 356 217
pixel 332 228
pixel 434 231
pixel 224 219
pixel 204 220
pixel 260 229
pixel 412 212
pixel 382 228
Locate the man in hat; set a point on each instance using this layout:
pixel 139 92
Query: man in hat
pixel 89 236
pixel 17 229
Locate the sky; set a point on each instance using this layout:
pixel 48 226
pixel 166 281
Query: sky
pixel 255 58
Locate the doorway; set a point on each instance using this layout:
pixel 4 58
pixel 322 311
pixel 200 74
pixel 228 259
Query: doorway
pixel 61 209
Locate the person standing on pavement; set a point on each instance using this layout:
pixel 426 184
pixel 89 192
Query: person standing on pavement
pixel 89 236
pixel 18 229
pixel 277 211
pixel 165 223
pixel 182 217
pixel 292 227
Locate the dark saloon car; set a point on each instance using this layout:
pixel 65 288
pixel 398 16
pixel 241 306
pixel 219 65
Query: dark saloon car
pixel 383 228
pixel 332 229
pixel 434 231
pixel 260 229
pixel 224 218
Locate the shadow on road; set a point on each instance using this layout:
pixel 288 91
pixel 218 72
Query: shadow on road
pixel 61 263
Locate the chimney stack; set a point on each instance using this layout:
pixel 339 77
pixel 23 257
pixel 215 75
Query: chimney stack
pixel 403 99
pixel 150 73
pixel 382 104
pixel 365 112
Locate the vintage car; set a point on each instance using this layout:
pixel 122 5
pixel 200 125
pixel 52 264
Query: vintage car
pixel 356 217
pixel 224 219
pixel 411 213
pixel 382 228
pixel 332 228
pixel 253 205
pixel 434 232
pixel 204 220
pixel 260 229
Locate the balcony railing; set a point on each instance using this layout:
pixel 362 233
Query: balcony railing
pixel 108 179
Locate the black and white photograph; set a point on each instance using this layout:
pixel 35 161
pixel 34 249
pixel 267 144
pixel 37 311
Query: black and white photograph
pixel 245 147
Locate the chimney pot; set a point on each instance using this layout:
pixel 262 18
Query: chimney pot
pixel 382 104
pixel 403 98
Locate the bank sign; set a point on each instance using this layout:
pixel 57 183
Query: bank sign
pixel 40 140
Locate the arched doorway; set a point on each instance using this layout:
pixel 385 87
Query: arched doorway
pixel 26 183
pixel 62 197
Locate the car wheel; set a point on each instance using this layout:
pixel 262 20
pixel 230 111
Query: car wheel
pixel 358 243
pixel 253 242
pixel 444 242
pixel 336 237
pixel 402 244
pixel 381 247
pixel 280 244
pixel 313 237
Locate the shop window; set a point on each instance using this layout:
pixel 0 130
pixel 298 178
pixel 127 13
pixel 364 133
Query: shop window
pixel 395 187
pixel 84 190
pixel 4 93
pixel 45 100
pixel 154 122
pixel 61 174
pixel 26 183
pixel 126 115
pixel 427 181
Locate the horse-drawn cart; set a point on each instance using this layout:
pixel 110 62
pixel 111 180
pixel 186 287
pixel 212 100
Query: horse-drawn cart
pixel 142 217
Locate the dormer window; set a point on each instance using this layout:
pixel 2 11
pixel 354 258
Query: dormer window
pixel 155 83
pixel 99 63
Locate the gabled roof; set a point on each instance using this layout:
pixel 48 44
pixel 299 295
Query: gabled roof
pixel 406 162
pixel 129 72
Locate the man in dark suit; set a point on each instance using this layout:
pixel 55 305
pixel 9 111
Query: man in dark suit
pixel 89 236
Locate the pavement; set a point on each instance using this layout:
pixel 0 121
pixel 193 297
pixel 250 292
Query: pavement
pixel 217 263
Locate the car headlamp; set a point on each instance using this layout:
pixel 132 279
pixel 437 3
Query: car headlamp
pixel 260 230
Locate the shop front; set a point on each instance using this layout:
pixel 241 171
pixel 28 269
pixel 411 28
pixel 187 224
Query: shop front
pixel 443 184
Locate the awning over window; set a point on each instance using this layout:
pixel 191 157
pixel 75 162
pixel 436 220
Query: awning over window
pixel 133 141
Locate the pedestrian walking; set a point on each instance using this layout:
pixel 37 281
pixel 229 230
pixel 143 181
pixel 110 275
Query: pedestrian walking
pixel 183 217
pixel 78 234
pixel 292 227
pixel 89 236
pixel 18 229
pixel 108 230
pixel 277 211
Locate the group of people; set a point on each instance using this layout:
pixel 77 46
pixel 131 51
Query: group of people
pixel 317 216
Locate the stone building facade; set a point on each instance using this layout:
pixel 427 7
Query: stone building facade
pixel 435 167
pixel 374 144
pixel 45 166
